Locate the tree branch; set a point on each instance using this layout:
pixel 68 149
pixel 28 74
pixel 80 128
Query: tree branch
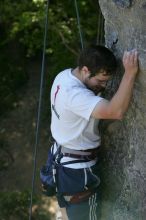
pixel 66 45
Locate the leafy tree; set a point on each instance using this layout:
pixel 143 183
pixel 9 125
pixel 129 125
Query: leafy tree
pixel 14 206
pixel 21 31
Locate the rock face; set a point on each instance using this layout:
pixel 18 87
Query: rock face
pixel 124 142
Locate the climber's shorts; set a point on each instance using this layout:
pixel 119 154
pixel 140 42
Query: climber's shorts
pixel 78 192
pixel 87 210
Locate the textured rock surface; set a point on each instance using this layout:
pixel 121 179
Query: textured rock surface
pixel 124 151
pixel 123 3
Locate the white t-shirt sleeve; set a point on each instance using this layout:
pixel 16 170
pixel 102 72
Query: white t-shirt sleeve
pixel 82 101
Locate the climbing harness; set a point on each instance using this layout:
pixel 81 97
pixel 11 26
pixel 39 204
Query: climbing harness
pixel 81 196
pixel 78 154
pixel 49 173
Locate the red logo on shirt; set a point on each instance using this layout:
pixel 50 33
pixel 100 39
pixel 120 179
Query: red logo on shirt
pixel 57 90
pixel 53 106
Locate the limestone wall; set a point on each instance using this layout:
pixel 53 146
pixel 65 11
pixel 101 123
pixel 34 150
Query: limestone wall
pixel 124 142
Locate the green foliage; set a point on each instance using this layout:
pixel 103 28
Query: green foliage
pixel 6 157
pixel 25 22
pixel 19 20
pixel 13 76
pixel 22 23
pixel 15 206
pixel 21 31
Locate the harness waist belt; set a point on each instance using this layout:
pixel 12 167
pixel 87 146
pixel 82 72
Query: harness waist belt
pixel 80 154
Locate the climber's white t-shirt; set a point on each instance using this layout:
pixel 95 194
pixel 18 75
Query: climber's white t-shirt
pixel 71 123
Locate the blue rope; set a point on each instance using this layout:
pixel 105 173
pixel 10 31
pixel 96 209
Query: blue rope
pixel 39 110
pixel 79 26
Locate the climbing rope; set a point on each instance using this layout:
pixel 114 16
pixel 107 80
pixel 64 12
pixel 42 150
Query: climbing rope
pixel 100 29
pixel 39 110
pixel 79 25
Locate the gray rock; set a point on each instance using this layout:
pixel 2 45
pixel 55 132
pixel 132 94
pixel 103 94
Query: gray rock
pixel 123 3
pixel 123 157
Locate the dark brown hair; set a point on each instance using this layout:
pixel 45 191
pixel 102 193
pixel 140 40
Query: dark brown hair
pixel 98 58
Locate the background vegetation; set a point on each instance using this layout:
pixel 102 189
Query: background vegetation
pixel 22 29
pixel 21 32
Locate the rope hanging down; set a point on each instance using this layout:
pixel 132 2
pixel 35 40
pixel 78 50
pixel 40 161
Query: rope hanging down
pixel 79 26
pixel 39 110
pixel 40 99
pixel 100 29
